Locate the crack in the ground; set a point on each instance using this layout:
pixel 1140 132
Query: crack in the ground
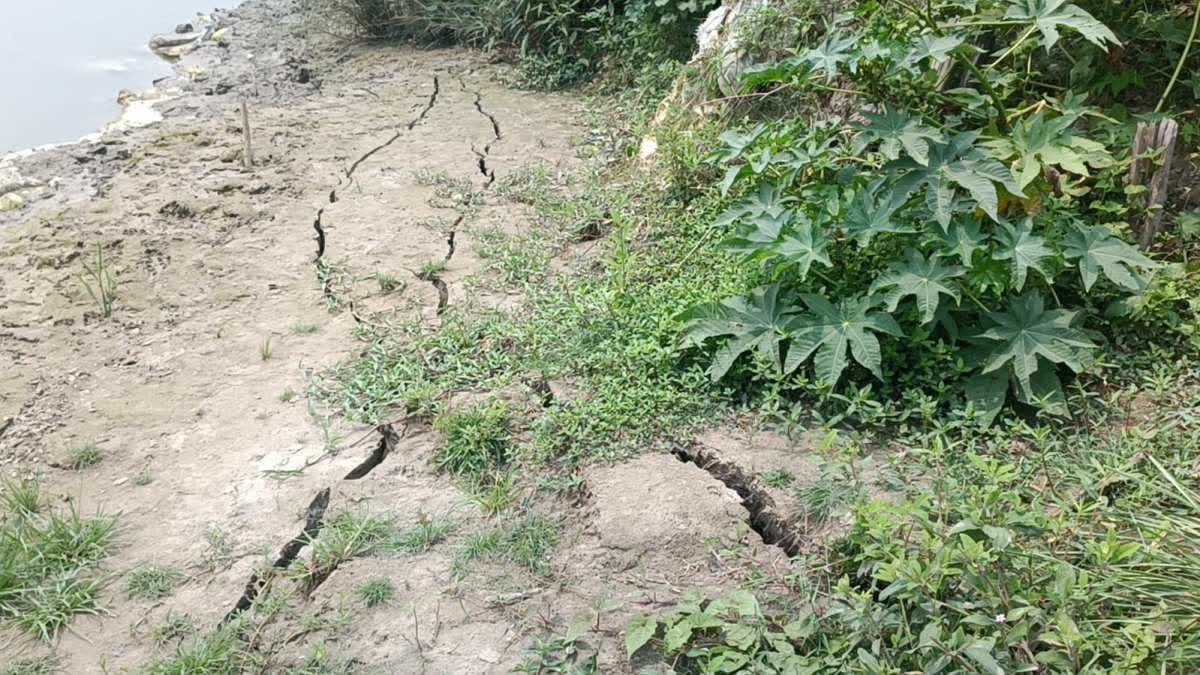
pixel 408 127
pixel 772 527
pixel 490 116
pixel 388 440
pixel 442 289
pixel 320 229
pixel 313 522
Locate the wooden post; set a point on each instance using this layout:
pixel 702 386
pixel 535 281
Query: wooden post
pixel 248 154
pixel 1150 137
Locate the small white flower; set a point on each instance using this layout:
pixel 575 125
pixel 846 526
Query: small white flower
pixel 1000 618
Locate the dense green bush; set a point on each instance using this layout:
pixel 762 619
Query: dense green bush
pixel 967 234
pixel 559 42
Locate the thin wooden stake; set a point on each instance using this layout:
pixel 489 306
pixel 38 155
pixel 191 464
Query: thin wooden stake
pixel 248 153
pixel 1150 137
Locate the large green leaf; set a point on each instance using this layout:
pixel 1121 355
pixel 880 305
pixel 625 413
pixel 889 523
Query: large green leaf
pixel 759 232
pixel 923 278
pixel 769 198
pixel 954 164
pixel 1028 332
pixel 1047 16
pixel 638 632
pixel 805 245
pixel 759 323
pixel 1024 250
pixel 894 130
pixel 836 49
pixel 838 332
pixel 934 47
pixel 871 214
pixel 1037 142
pixel 1099 251
pixel 962 238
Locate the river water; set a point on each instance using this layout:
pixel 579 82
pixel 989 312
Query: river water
pixel 62 63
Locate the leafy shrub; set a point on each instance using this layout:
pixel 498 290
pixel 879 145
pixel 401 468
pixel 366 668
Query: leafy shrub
pixel 560 42
pixel 955 239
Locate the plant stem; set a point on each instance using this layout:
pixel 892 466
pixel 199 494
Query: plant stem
pixel 1182 59
pixel 927 18
pixel 1002 118
pixel 1015 46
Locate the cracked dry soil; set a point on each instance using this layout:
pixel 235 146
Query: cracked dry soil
pixel 216 268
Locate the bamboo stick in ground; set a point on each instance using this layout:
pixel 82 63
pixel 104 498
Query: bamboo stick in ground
pixel 248 154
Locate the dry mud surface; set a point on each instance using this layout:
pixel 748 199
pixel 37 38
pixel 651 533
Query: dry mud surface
pixel 215 260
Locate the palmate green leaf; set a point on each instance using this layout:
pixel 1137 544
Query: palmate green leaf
pixel 937 48
pixel 1037 143
pixel 759 323
pixel 962 238
pixel 1024 251
pixel 836 49
pixel 923 278
pixel 769 199
pixel 871 214
pixel 759 233
pixel 1099 251
pixel 1027 333
pixel 894 130
pixel 1047 16
pixel 838 332
pixel 954 164
pixel 805 245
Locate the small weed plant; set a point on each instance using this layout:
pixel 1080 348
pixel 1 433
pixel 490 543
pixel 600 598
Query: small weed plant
pixel 376 592
pixel 84 456
pixel 100 282
pixel 152 582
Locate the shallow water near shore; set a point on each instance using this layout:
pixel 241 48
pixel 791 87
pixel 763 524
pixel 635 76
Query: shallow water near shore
pixel 62 63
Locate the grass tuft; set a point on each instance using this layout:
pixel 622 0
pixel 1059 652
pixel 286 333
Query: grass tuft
pixel 478 441
pixel 376 592
pixel 48 563
pixel 84 456
pixel 152 582
pixel 427 533
pixel 527 543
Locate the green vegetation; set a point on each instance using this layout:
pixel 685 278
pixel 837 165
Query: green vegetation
pixel 152 582
pixel 561 42
pixel 478 441
pixel 41 665
pixel 389 284
pixel 84 456
pixel 427 533
pixel 376 592
pixel 48 562
pixel 100 283
pixel 527 543
pixel 1071 551
pixel 907 223
pixel 345 537
pixel 174 628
